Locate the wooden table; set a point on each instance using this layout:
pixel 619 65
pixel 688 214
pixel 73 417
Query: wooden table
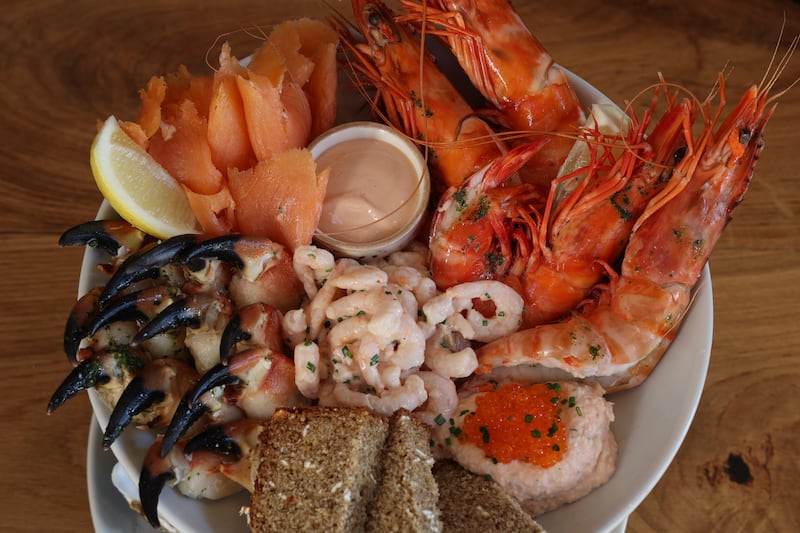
pixel 67 64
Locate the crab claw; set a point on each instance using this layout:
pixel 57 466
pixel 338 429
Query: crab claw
pixel 235 442
pixel 152 395
pixel 79 322
pixel 146 264
pixel 215 439
pixel 109 366
pixel 203 316
pixel 185 416
pixel 116 237
pixel 253 325
pixel 232 334
pixel 196 475
pixel 222 248
pixel 264 269
pixel 155 473
pixel 85 375
pixel 192 407
pixel 140 306
pixel 256 381
pixel 182 313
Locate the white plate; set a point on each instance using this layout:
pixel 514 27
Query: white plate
pixel 110 510
pixel 651 422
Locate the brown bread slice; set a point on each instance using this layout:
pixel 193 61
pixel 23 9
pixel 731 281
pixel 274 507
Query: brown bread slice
pixel 407 494
pixel 318 470
pixel 470 503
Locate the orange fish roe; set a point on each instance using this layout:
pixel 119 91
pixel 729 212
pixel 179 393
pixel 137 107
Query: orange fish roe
pixel 517 422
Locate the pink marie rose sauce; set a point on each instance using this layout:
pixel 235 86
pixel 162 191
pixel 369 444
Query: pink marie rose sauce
pixel 370 192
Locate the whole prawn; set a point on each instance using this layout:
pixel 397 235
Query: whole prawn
pixel 511 69
pixel 621 337
pixel 555 259
pixel 418 99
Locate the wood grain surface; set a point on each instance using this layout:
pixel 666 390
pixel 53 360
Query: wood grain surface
pixel 66 65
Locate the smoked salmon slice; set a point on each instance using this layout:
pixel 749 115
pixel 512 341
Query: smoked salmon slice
pixel 280 198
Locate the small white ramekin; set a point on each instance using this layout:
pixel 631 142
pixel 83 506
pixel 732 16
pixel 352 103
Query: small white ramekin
pixel 406 232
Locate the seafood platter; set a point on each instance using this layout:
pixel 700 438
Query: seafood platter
pixel 526 275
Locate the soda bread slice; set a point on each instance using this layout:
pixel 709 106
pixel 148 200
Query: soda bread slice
pixel 405 501
pixel 470 503
pixel 318 471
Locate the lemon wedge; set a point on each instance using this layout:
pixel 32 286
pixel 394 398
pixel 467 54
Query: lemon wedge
pixel 139 189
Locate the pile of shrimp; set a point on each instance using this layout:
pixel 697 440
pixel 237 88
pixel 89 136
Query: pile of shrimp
pixel 367 331
pixel 538 289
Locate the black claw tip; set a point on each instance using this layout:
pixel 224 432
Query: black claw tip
pixel 179 314
pixel 232 334
pixel 105 235
pixel 128 307
pixel 222 248
pixel 87 374
pixel 134 399
pixel 150 488
pixel 214 439
pixel 185 416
